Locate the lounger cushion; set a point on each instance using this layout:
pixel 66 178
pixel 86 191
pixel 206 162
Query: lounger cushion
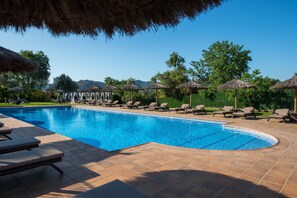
pixel 18 144
pixel 114 189
pixel 22 158
pixel 5 130
pixel 277 116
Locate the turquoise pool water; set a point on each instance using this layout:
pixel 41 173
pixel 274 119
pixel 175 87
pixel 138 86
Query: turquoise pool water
pixel 113 130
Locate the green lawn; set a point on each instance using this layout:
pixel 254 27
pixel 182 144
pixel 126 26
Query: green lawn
pixel 33 104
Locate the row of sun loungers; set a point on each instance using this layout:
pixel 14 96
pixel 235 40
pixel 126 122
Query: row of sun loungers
pixel 200 109
pixel 23 153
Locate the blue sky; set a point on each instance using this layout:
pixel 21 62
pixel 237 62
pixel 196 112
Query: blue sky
pixel 266 27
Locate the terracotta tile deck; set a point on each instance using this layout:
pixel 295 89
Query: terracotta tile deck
pixel 162 171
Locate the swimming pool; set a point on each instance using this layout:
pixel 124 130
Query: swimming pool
pixel 116 130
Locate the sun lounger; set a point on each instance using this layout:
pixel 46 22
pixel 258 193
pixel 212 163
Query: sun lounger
pixel 13 101
pixel 93 102
pixel 135 105
pixel 23 160
pixel 24 101
pixel 280 114
pixel 293 116
pixel 245 112
pixel 182 108
pixel 98 103
pixel 150 107
pixel 162 107
pixel 128 104
pixel 113 189
pixel 112 104
pixel 225 110
pixel 4 131
pixel 197 110
pixel 18 144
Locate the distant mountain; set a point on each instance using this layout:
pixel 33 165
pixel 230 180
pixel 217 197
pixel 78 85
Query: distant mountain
pixel 85 84
pixel 142 84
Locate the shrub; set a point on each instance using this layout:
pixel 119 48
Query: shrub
pixel 38 96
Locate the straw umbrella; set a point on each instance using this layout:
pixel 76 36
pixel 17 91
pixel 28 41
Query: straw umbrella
pixel 17 90
pixel 236 84
pixel 288 84
pixel 92 89
pixel 108 88
pixel 11 61
pixel 191 85
pixel 94 17
pixel 130 87
pixel 157 86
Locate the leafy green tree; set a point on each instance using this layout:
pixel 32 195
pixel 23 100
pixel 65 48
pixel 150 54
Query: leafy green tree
pixel 221 62
pixel 8 80
pixel 173 77
pixel 111 81
pixel 65 83
pixel 131 80
pixel 35 80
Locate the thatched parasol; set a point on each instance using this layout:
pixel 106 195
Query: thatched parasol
pixel 11 61
pixel 94 88
pixel 95 16
pixel 59 91
pixel 17 90
pixel 130 87
pixel 236 84
pixel 288 84
pixel 157 86
pixel 191 85
pixel 109 88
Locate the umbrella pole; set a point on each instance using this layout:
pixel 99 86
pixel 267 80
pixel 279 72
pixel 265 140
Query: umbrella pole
pixel 295 101
pixel 157 96
pixel 235 99
pixel 191 98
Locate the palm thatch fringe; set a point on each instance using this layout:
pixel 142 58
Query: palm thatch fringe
pixel 11 61
pixel 92 17
pixel 236 84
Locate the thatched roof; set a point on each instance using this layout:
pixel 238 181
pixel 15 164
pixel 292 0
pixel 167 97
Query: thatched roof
pixel 191 85
pixel 59 91
pixel 130 87
pixel 287 84
pixel 236 84
pixel 92 17
pixel 11 61
pixel 108 88
pixel 16 89
pixel 94 88
pixel 157 86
